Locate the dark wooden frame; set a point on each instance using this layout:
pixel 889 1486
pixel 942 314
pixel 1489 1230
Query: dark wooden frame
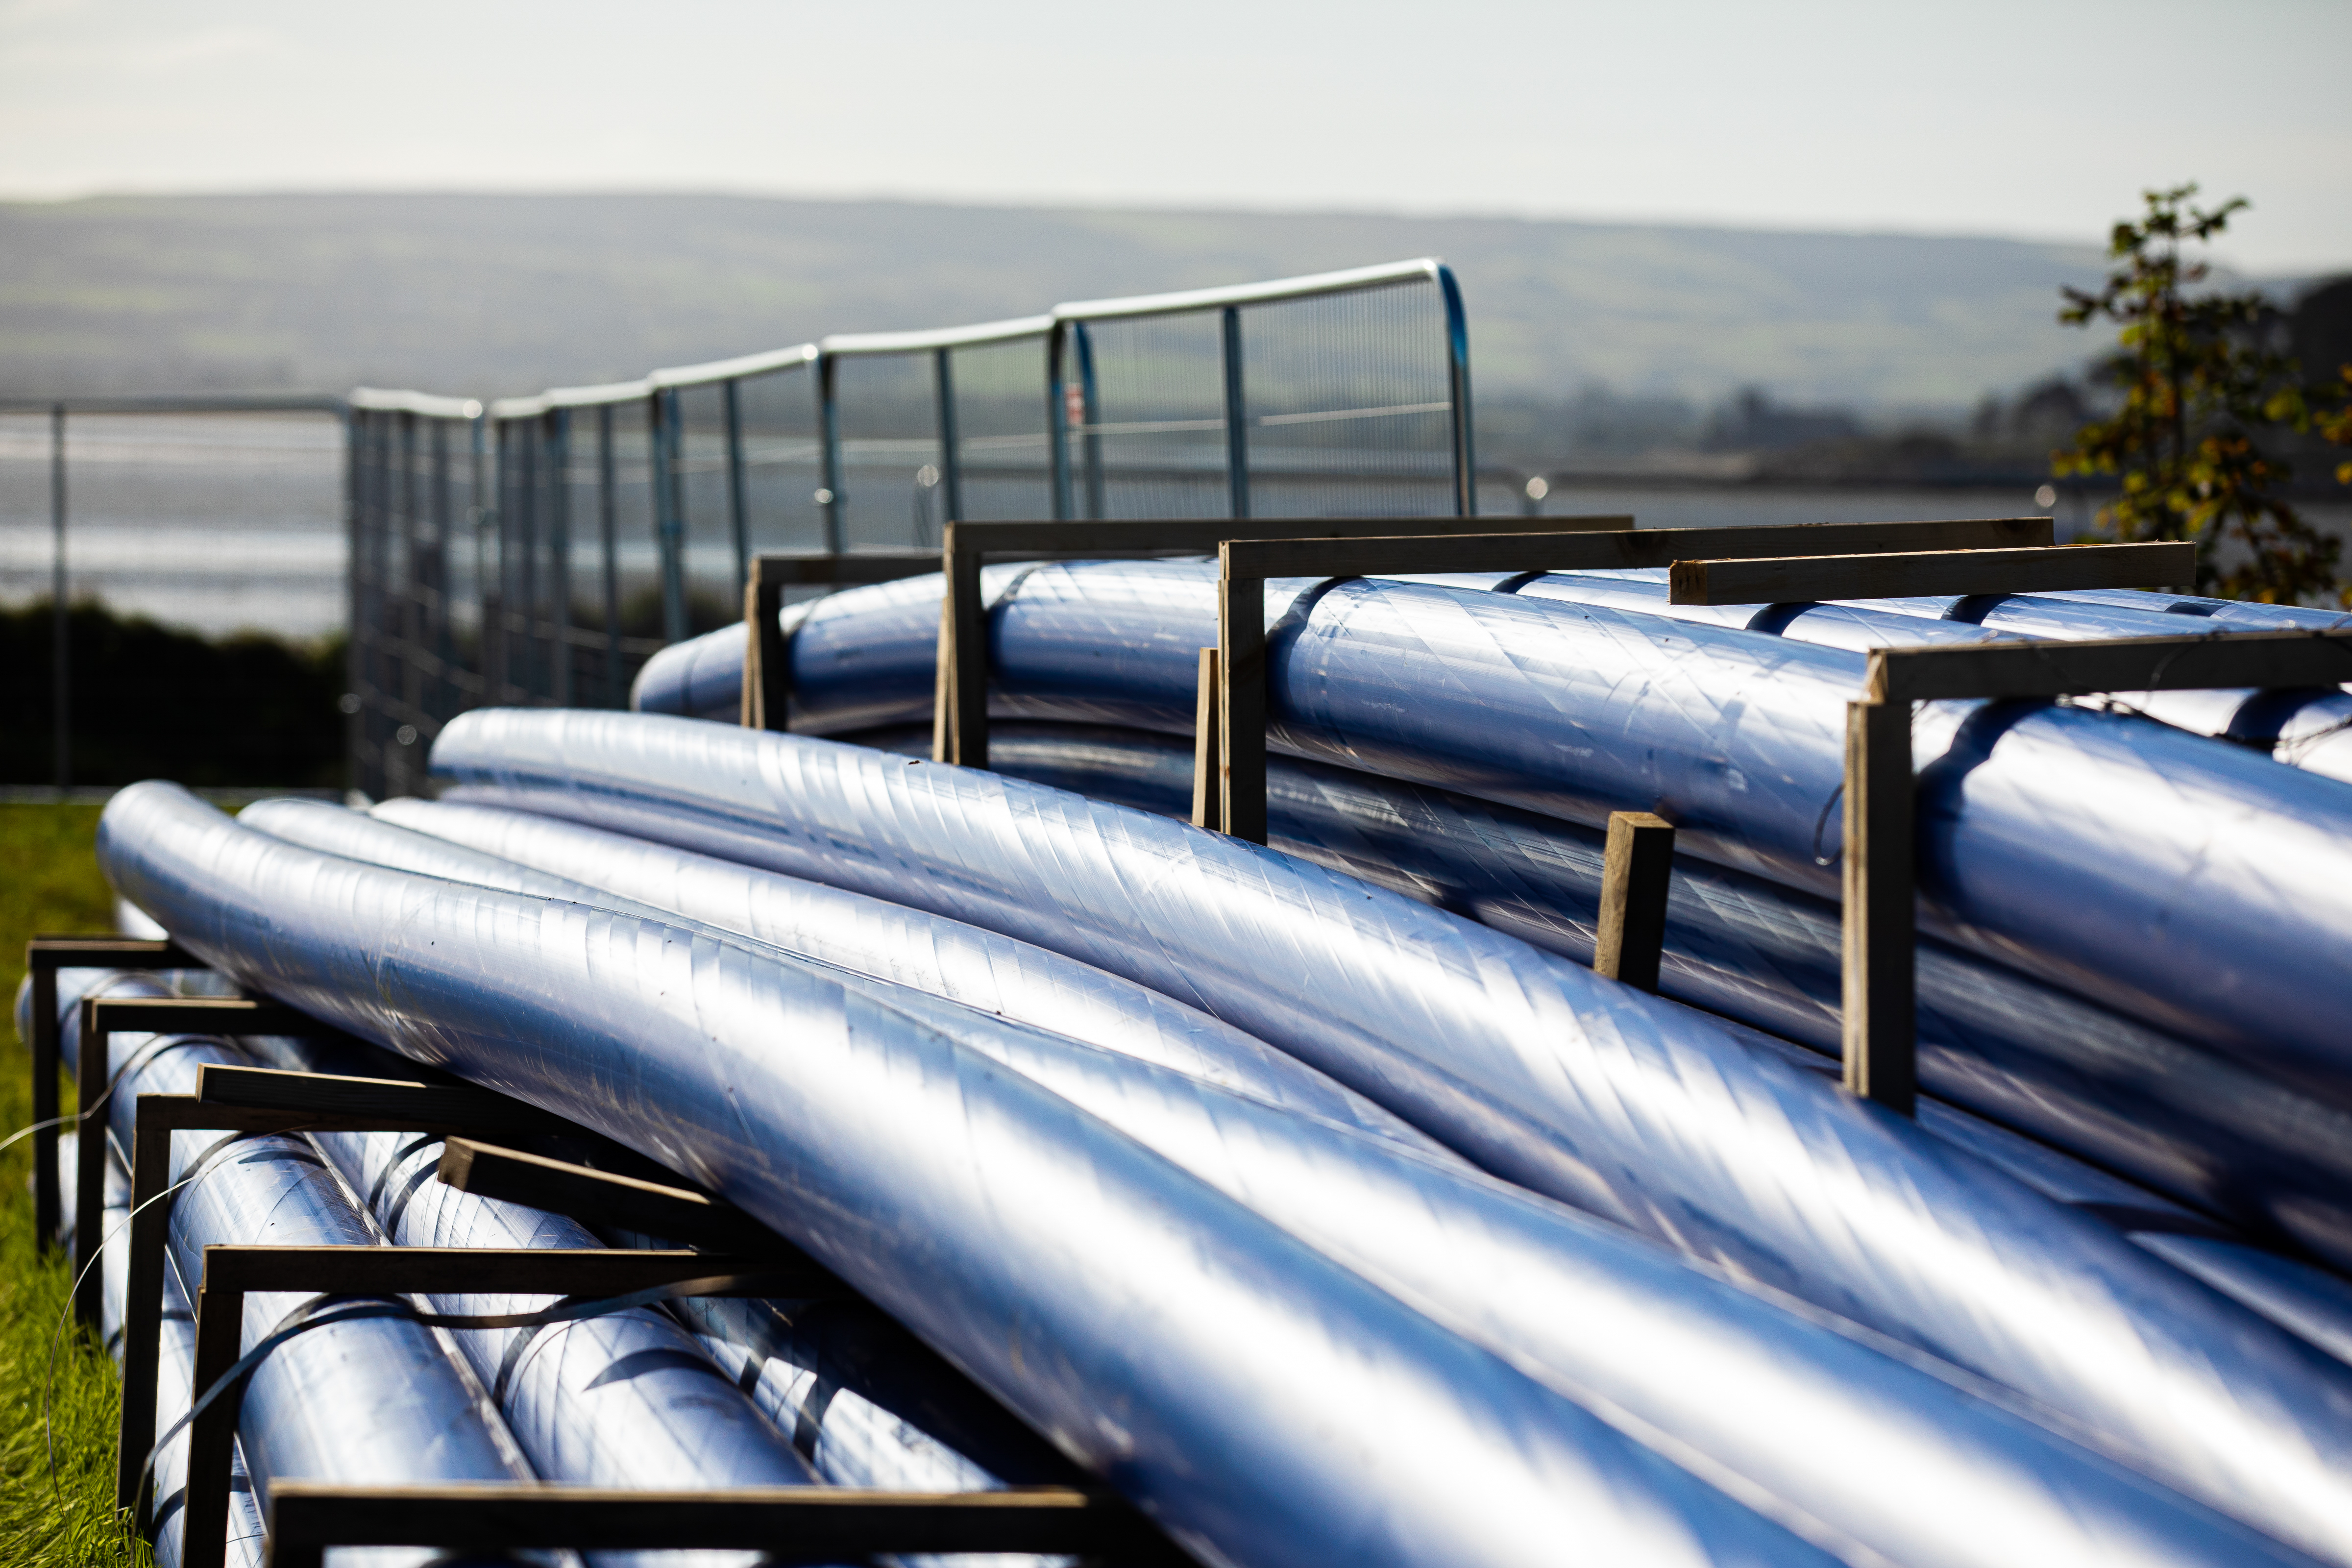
pixel 767 667
pixel 1881 868
pixel 306 1518
pixel 799 1524
pixel 960 728
pixel 101 1018
pixel 44 956
pixel 1246 564
pixel 1797 579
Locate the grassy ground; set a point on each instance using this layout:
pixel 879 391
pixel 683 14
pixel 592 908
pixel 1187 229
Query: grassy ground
pixel 48 882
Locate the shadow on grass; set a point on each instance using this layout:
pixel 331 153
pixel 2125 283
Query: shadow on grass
pixel 48 882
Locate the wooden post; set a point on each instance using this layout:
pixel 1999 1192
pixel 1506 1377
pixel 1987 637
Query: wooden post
pixel 211 1437
pixel 1241 701
pixel 964 650
pixel 91 1082
pixel 142 1311
pixel 1880 1025
pixel 1633 888
pixel 1207 794
pixel 44 1044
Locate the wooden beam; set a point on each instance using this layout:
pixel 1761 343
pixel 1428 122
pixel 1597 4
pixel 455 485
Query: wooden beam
pixel 960 722
pixel 2216 659
pixel 605 1198
pixel 800 1524
pixel 1793 579
pixel 143 1308
pixel 1207 794
pixel 962 678
pixel 1201 536
pixel 586 1271
pixel 1880 1025
pixel 92 1085
pixel 1567 550
pixel 1241 699
pixel 1634 879
pixel 387 1104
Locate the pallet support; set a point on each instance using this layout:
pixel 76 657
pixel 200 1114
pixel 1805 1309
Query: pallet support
pixel 960 730
pixel 1881 839
pixel 44 956
pixel 766 659
pixel 1544 544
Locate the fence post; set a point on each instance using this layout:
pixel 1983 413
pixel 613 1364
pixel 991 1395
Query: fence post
pixel 951 459
pixel 737 517
pixel 1090 415
pixel 60 626
pixel 437 603
pixel 609 537
pixel 1057 434
pixel 1457 385
pixel 828 425
pixel 1237 415
pixel 669 529
pixel 355 435
pixel 559 549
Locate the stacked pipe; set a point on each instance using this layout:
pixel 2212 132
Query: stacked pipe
pixel 1318 1218
pixel 1436 1238
pixel 2101 891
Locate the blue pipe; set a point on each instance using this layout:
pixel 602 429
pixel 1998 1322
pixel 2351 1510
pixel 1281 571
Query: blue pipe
pixel 1618 1103
pixel 525 853
pixel 1264 1405
pixel 2184 1122
pixel 2189 884
pixel 1571 1300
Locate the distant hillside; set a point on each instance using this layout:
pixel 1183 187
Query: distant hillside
pixel 505 293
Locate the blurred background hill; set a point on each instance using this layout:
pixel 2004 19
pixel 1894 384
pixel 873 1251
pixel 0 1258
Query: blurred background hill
pixel 509 293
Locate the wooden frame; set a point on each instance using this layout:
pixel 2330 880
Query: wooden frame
pixel 306 1518
pixel 101 1018
pixel 1880 936
pixel 798 1524
pixel 44 956
pixel 1796 579
pixel 1244 564
pixel 767 669
pixel 960 728
pixel 230 1272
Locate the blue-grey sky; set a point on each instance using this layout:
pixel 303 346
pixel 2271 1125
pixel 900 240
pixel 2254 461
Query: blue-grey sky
pixel 2035 118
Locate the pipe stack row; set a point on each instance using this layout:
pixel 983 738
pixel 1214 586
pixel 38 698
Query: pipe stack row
pixel 1316 1198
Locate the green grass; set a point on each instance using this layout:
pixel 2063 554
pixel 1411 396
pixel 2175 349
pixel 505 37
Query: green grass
pixel 48 882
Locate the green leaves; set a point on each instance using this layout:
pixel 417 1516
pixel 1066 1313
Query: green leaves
pixel 2196 385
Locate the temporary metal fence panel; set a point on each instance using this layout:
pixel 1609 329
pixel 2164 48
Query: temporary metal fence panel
pixel 218 513
pixel 1345 393
pixel 536 550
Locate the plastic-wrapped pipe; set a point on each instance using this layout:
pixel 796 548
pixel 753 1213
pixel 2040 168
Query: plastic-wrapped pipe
pixel 804 917
pixel 1539 1070
pixel 526 854
pixel 624 1400
pixel 376 1401
pixel 2175 879
pixel 1628 1328
pixel 1266 1405
pixel 2187 1122
pixel 1877 1429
